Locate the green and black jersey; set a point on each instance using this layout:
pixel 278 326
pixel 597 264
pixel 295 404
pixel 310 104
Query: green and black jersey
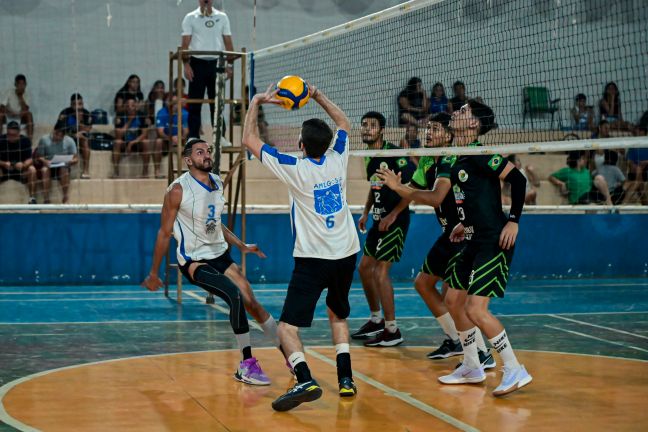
pixel 477 192
pixel 385 199
pixel 424 178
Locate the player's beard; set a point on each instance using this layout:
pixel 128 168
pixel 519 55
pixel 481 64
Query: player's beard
pixel 370 140
pixel 206 166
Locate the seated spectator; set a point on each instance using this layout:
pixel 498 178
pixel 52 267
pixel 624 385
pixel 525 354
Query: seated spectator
pixel 438 99
pixel 16 159
pixel 77 123
pixel 132 89
pixel 166 123
pixel 575 182
pixel 459 99
pixel 610 108
pixel 185 96
pixel 612 175
pixel 131 135
pixel 638 167
pixel 411 140
pixel 531 186
pixel 413 103
pixel 50 145
pixel 582 114
pixel 602 130
pixel 14 106
pixel 156 100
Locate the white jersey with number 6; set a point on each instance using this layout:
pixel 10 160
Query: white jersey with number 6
pixel 197 227
pixel 322 224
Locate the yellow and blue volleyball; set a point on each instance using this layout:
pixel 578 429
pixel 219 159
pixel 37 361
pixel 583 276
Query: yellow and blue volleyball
pixel 293 92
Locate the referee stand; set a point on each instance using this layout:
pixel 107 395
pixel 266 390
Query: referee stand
pixel 234 174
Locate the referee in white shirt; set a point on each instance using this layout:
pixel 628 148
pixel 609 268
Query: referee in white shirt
pixel 204 29
pixel 325 238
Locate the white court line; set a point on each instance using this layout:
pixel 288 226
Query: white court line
pixel 68 292
pixel 80 299
pixel 226 311
pixel 405 397
pixel 109 322
pixel 596 338
pixel 599 326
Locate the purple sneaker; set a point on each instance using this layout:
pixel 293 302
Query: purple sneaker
pixel 249 372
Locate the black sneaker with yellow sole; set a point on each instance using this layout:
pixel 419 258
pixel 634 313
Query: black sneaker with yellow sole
pixel 302 392
pixel 347 387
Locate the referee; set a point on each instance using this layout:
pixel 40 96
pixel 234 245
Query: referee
pixel 204 29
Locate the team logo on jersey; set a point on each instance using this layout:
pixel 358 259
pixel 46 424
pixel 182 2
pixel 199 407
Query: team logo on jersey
pixel 210 227
pixel 450 160
pixel 329 200
pixel 383 165
pixel 209 23
pixel 463 176
pixel 458 194
pixel 495 162
pixel 401 162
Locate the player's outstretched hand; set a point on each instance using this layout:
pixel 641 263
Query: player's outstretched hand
pixel 152 282
pixel 389 177
pixel 362 223
pixel 268 97
pixel 253 248
pixel 386 222
pixel 458 233
pixel 508 235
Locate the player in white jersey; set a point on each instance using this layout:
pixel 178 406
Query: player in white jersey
pixel 326 241
pixel 192 210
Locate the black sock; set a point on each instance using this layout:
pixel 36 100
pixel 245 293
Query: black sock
pixel 247 352
pixel 302 372
pixel 343 361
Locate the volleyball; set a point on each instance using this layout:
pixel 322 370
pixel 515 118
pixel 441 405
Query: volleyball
pixel 293 92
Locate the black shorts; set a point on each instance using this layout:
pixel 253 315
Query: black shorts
pixel 482 269
pixel 387 245
pixel 309 278
pixel 13 175
pixel 220 264
pixel 442 257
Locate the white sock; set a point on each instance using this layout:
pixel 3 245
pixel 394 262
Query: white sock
pixel 270 330
pixel 448 326
pixel 481 345
pixel 296 358
pixel 504 349
pixel 391 326
pixel 376 316
pixel 341 348
pixel 243 340
pixel 471 359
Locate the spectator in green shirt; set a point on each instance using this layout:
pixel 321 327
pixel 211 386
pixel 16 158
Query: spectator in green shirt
pixel 575 181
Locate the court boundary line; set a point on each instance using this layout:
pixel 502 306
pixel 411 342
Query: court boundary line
pixel 6 388
pixel 599 326
pixel 596 338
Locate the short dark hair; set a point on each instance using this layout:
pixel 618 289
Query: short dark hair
pixel 375 115
pixel 580 96
pixel 458 83
pixel 611 157
pixel 443 118
pixel 316 137
pixel 188 147
pixel 59 126
pixel 572 158
pixel 13 125
pixel 511 158
pixel 75 97
pixel 603 122
pixel 484 114
pixel 129 96
pixel 20 77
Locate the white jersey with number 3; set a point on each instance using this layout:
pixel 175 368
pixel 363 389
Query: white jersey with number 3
pixel 322 224
pixel 197 227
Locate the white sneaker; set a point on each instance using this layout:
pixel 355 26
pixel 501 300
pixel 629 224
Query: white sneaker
pixel 514 378
pixel 464 375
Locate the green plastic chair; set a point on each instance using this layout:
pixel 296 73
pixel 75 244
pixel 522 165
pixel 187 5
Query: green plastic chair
pixel 538 100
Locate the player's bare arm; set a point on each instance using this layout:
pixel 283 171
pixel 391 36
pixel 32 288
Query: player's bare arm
pixel 432 197
pixel 233 239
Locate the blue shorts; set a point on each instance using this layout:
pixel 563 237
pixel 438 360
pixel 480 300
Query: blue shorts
pixel 637 155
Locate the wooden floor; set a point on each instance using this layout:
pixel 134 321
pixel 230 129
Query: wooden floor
pixel 398 391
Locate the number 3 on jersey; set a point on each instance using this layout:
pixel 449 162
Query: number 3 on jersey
pixel 330 221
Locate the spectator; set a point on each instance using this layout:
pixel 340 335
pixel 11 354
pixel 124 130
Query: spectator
pixel 438 99
pixel 411 140
pixel 603 130
pixel 56 143
pixel 132 89
pixel 155 100
pixel 166 123
pixel 77 124
pixel 575 182
pixel 531 185
pixel 131 135
pixel 14 106
pixel 204 29
pixel 413 103
pixel 638 167
pixel 582 114
pixel 183 86
pixel 612 175
pixel 610 108
pixel 460 99
pixel 16 159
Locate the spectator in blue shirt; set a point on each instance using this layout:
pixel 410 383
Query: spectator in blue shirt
pixel 131 134
pixel 166 123
pixel 438 99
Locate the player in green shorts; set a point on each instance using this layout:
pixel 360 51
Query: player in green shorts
pixel 385 240
pixel 444 253
pixel 481 272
